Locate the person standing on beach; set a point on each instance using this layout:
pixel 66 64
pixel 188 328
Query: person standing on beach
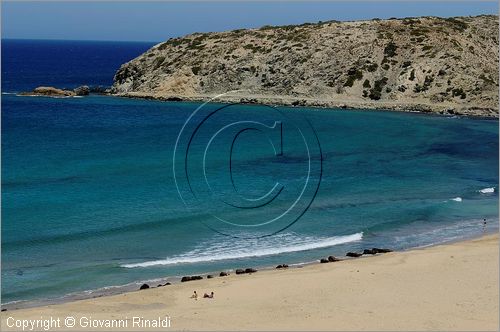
pixel 484 225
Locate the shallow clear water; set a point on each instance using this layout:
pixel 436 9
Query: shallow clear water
pixel 90 201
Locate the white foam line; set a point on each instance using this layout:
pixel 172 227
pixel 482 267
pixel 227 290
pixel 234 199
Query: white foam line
pixel 186 259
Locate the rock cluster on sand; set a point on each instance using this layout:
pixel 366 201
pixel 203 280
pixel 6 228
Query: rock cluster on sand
pixel 191 278
pixel 427 64
pixel 372 251
pixel 244 271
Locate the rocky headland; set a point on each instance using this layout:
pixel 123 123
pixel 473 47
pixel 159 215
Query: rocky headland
pixel 426 64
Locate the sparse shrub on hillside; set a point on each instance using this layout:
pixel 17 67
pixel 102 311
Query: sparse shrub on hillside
pixel 253 48
pixel 195 69
pixel 418 88
pixel 366 84
pixel 371 67
pixel 390 49
pixel 196 43
pixel 352 75
pixel 458 92
pixel 158 61
pixel 425 86
pixel 410 21
pixel 487 80
pixel 376 91
pixel 412 75
pixel 457 24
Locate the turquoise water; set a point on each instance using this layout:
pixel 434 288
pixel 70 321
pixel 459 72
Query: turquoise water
pixel 90 200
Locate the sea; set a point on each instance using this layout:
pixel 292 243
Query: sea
pixel 101 193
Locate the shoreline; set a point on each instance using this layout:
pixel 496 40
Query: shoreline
pixel 433 288
pixel 442 109
pixel 154 283
pixel 446 110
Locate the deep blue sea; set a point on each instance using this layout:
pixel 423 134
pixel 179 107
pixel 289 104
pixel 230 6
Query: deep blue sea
pixel 90 202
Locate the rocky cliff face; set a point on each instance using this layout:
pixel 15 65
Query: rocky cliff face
pixel 429 64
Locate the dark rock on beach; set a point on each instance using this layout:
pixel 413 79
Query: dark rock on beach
pixel 374 251
pixel 333 259
pixel 250 270
pixel 240 271
pixel 210 276
pixel 144 286
pixel 190 278
pixel 323 260
pixel 166 284
pixel 282 266
pixel 223 274
pixel 381 251
pixel 353 254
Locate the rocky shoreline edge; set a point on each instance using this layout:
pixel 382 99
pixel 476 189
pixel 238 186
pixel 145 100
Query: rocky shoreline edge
pixel 285 101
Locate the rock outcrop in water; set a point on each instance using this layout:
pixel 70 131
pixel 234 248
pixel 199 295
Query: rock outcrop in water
pixel 445 65
pixel 49 91
pixel 83 90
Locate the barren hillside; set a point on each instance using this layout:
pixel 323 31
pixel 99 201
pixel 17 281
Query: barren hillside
pixel 427 64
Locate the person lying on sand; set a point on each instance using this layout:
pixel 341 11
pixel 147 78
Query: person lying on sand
pixel 206 296
pixel 195 295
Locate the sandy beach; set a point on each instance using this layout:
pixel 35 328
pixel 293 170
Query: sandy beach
pixel 446 287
